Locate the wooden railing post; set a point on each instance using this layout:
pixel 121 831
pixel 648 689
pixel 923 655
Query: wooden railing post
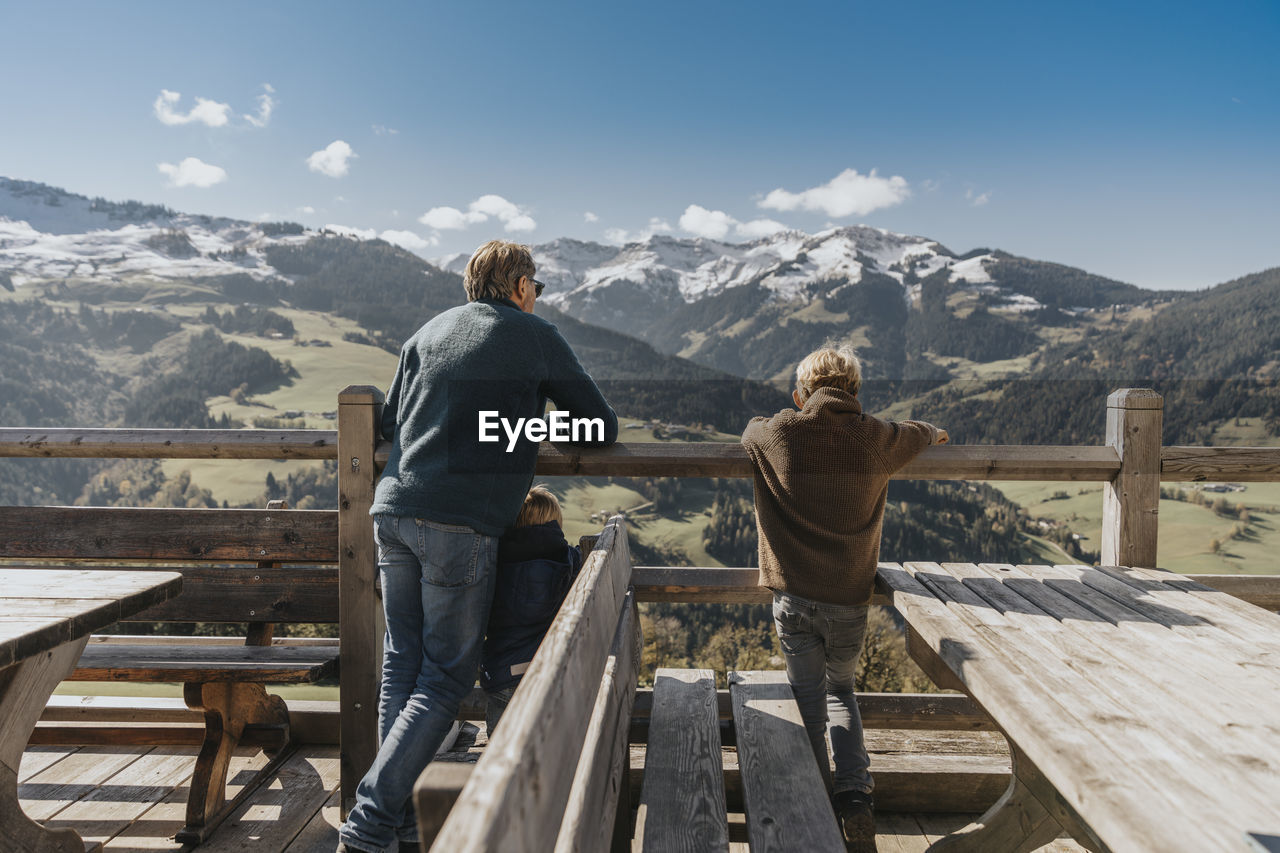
pixel 359 409
pixel 1131 502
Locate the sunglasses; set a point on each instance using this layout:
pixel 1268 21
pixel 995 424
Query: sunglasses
pixel 537 287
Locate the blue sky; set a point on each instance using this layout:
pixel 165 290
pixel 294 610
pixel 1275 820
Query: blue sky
pixel 1135 140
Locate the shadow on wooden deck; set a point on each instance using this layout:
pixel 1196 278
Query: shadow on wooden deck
pixel 132 798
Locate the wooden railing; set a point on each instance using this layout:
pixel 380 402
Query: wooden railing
pixel 1131 464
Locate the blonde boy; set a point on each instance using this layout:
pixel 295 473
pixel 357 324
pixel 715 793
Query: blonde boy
pixel 821 476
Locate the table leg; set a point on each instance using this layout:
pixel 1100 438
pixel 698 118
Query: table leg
pixel 1016 823
pixel 25 688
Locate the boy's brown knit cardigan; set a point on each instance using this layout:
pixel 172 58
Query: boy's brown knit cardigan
pixel 821 476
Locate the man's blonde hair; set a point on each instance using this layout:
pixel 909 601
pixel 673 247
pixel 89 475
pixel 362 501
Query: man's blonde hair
pixel 495 269
pixel 540 506
pixel 829 367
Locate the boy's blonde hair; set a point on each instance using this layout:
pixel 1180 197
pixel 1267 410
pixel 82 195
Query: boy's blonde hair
pixel 829 367
pixel 540 506
pixel 495 269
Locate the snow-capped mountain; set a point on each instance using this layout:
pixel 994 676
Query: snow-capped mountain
pixel 790 265
pixel 47 233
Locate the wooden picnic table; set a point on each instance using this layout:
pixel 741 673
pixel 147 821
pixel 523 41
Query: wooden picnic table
pixel 46 617
pixel 1142 708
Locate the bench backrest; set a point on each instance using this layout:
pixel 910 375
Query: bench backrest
pixel 556 765
pixel 205 545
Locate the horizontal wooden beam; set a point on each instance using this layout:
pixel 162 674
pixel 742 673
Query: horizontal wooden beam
pixel 690 584
pixel 107 720
pixel 169 443
pixel 126 533
pixel 723 459
pixel 1259 590
pixel 1216 464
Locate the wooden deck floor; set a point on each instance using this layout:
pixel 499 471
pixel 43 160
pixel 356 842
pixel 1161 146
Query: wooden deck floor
pixel 133 798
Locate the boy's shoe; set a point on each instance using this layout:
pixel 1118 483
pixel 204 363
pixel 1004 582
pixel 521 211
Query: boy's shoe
pixel 410 847
pixel 855 810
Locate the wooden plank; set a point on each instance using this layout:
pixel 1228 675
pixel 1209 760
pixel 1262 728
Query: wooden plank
pixel 682 805
pixel 272 664
pixel 1176 662
pixel 1259 590
pixel 359 611
pixel 245 594
pixel 599 784
pixel 155 829
pixel 1146 770
pixel 784 796
pixel 899 833
pixel 705 584
pixel 280 810
pixel 97 601
pixel 131 533
pixel 1131 502
pixel 947 462
pixel 169 443
pixel 37 758
pixel 77 776
pixel 1219 464
pixel 119 801
pixel 311 721
pixel 991 663
pixel 320 835
pixel 913 711
pixel 514 799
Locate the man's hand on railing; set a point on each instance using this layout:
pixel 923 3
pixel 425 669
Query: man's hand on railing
pixel 943 436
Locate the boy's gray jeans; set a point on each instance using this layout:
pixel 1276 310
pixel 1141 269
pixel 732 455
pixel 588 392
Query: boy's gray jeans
pixel 821 644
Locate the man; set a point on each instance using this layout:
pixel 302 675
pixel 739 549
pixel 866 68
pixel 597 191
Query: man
pixel 821 476
pixel 447 493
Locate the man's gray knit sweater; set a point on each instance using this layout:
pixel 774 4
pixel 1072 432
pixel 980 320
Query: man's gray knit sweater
pixel 486 355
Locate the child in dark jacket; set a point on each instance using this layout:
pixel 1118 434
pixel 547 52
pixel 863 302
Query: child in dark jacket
pixel 536 567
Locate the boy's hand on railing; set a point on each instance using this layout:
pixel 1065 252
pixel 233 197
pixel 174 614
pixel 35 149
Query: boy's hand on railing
pixel 943 437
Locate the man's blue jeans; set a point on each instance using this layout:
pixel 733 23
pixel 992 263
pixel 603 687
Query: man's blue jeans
pixel 437 585
pixel 821 644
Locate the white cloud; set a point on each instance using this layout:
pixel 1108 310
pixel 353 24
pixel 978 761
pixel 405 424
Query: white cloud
pixel 307 209
pixel 383 130
pixel 847 194
pixel 716 224
pixel 621 236
pixel 758 228
pixel 712 224
pixel 332 160
pixel 409 240
pixel 348 231
pixel 511 215
pixel 977 199
pixel 590 217
pixel 266 104
pixel 205 111
pixel 192 172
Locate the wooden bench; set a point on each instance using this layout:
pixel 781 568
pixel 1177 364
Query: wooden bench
pixel 554 775
pixel 1140 706
pixel 233 564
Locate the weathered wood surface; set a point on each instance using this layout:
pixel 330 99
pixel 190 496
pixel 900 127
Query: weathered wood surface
pixel 704 584
pixel 127 533
pixel 682 804
pixel 24 687
pixel 516 796
pixel 169 443
pixel 44 608
pixel 948 462
pixel 600 785
pixel 269 664
pixel 906 711
pixel 1259 590
pixel 1218 464
pixel 360 617
pixel 1131 501
pixel 1108 703
pixel 785 799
